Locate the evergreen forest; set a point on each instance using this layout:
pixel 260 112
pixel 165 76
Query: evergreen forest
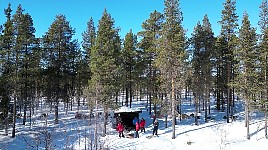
pixel 159 62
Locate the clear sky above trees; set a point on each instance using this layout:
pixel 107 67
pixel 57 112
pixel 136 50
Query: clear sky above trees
pixel 128 14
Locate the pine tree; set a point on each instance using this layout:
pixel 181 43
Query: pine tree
pixel 88 43
pixel 229 27
pixel 73 81
pixel 104 67
pixel 203 45
pixel 7 83
pixel 247 80
pixel 25 45
pixel 150 35
pixel 13 61
pixel 220 83
pixel 89 39
pixel 58 46
pixel 196 42
pixel 128 56
pixel 263 23
pixel 171 55
pixel 209 46
pixel 18 50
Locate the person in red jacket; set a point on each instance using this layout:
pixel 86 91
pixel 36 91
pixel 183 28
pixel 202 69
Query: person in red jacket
pixel 142 125
pixel 120 129
pixel 137 127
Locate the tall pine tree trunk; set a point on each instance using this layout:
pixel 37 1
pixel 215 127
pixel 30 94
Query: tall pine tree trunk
pixel 15 101
pixel 150 88
pixel 165 103
pixel 126 101
pixel 140 92
pixel 56 111
pixel 173 106
pixel 96 125
pixel 105 115
pixel 24 113
pixel 247 118
pixel 209 104
pixel 6 124
pixel 266 100
pixel 247 107
pixel 206 103
pixel 78 101
pixel 222 101
pixel 265 124
pixel 130 89
pixel 31 112
pixel 228 91
pixel 5 98
pixel 14 113
pixel 180 107
pixel 218 99
pixel 196 108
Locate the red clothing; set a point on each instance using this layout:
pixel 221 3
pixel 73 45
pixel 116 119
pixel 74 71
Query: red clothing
pixel 137 126
pixel 120 127
pixel 142 124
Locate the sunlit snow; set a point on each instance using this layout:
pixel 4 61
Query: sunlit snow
pixel 78 134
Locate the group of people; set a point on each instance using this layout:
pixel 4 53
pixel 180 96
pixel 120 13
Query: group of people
pixel 139 125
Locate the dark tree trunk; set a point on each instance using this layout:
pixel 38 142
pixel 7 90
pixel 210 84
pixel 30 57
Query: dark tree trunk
pixel 229 95
pixel 150 103
pixel 78 102
pixel 126 101
pixel 14 116
pixel 206 110
pixel 266 98
pixel 247 118
pixel 24 113
pixel 218 88
pixel 72 103
pixel 265 124
pixel 130 88
pixel 222 101
pixel 116 97
pixel 30 113
pixel 140 92
pixel 173 107
pixel 96 126
pixel 57 111
pixel 196 109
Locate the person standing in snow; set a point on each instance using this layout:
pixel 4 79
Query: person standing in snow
pixel 135 120
pixel 120 129
pixel 156 124
pixel 137 128
pixel 142 125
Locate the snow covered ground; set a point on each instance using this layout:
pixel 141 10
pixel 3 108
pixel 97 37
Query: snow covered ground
pixel 77 134
pixel 214 135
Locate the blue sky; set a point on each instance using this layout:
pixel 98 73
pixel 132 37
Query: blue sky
pixel 128 14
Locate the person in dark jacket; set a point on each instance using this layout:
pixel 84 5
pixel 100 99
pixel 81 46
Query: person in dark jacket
pixel 156 124
pixel 137 128
pixel 120 129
